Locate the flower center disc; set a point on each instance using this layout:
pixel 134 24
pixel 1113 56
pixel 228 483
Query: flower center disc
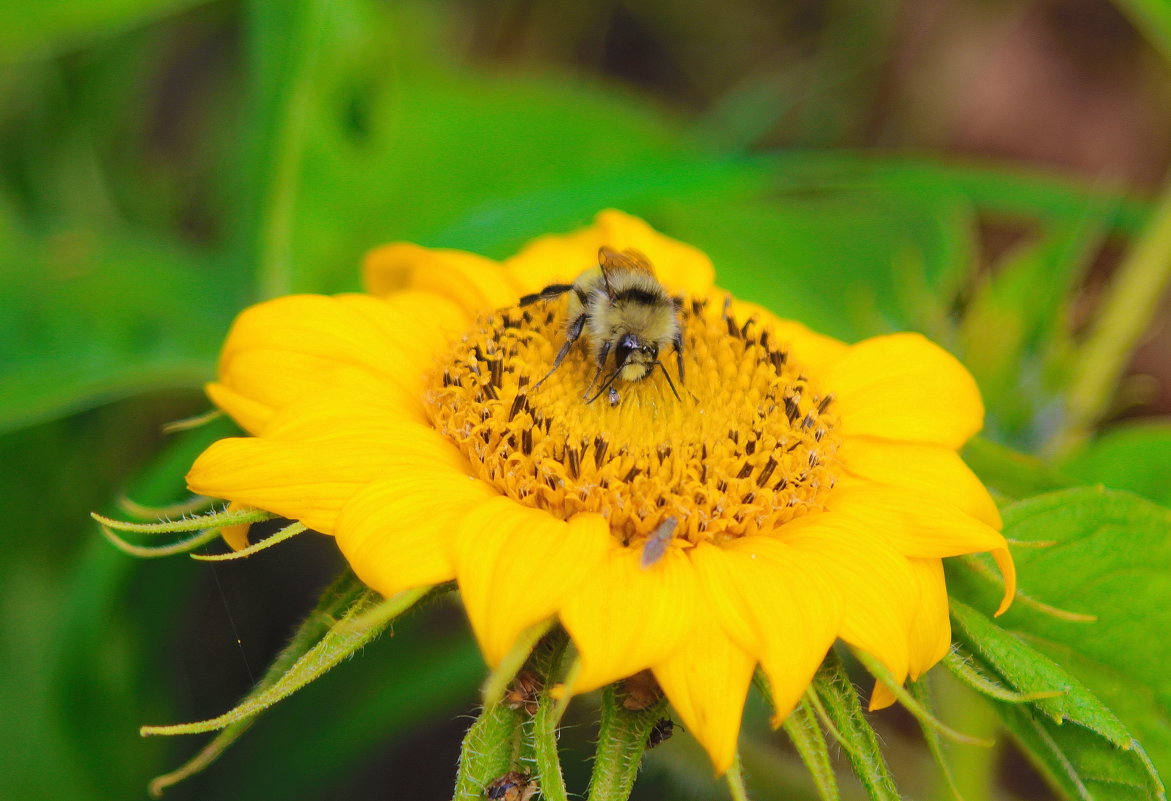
pixel 749 444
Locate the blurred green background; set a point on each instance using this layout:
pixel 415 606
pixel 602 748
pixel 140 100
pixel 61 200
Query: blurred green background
pixel 974 169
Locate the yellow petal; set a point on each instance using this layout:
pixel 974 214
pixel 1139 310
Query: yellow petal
pixel 473 282
pixel 930 632
pixel 903 387
pixel 880 697
pixel 561 258
pixel 251 414
pixel 236 536
pixel 304 480
pixel 920 525
pixel 776 605
pixel 706 681
pixel 931 629
pixel 277 351
pixel 624 619
pixel 399 532
pixel 516 565
pixel 354 405
pixel 876 583
pixel 925 469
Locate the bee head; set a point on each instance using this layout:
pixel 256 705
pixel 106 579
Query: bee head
pixel 631 350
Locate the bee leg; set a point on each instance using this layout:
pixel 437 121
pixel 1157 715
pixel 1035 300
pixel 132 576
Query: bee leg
pixel 667 376
pixel 678 343
pixel 606 384
pixel 603 354
pixel 551 292
pixel 575 329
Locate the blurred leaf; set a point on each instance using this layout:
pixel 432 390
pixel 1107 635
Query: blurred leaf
pixel 428 166
pixel 847 264
pixel 395 692
pixel 42 28
pixel 285 40
pixel 1007 191
pixel 1076 742
pixel 1153 18
pixel 1105 554
pixel 1015 335
pixel 86 319
pixel 1010 474
pixel 77 680
pixel 1133 456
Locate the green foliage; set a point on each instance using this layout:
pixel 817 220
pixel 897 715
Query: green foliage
pixel 1078 743
pixel 1092 564
pixel 32 30
pixel 86 318
pixel 163 163
pixel 1152 17
pixel 837 701
pixel 1134 457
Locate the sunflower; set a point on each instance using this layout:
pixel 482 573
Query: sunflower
pixel 808 488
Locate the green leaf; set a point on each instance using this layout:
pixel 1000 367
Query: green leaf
pixel 1015 334
pixel 1093 567
pixel 1010 474
pixel 1073 739
pixel 397 147
pixel 845 263
pixel 1001 190
pixel 86 319
pixel 39 29
pixel 285 41
pixel 1133 456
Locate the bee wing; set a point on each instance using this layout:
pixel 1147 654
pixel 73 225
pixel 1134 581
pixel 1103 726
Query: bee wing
pixel 630 259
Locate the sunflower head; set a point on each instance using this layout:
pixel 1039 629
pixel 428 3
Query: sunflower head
pixel 741 499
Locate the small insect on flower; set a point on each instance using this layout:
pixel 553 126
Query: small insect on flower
pixel 656 544
pixel 640 691
pixel 614 397
pixel 622 308
pixel 512 786
pixel 660 732
pixel 523 692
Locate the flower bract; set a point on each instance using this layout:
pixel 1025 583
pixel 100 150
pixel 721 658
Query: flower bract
pixel 796 490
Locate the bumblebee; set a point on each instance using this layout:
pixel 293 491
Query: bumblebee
pixel 623 310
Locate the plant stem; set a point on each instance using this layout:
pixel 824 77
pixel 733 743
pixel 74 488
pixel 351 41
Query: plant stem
pixel 547 660
pixel 621 742
pixel 1134 298
pixel 489 751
